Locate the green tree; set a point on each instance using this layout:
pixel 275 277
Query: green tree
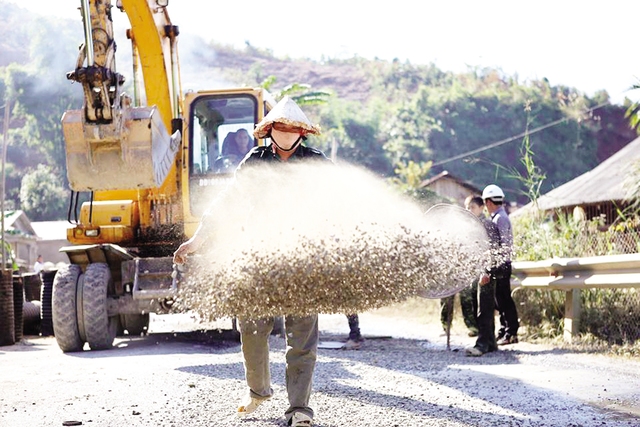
pixel 42 195
pixel 481 112
pixel 302 93
pixel 40 106
pixel 407 131
pixel 409 178
pixel 633 110
pixel 352 133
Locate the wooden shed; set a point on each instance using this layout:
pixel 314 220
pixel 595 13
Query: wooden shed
pixel 451 187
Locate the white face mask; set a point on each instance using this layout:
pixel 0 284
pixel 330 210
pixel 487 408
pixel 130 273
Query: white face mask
pixel 285 140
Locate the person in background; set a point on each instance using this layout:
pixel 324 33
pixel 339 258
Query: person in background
pixel 38 265
pixel 493 197
pixel 239 145
pixel 234 148
pixel 468 305
pixel 468 298
pixel 287 126
pixel 355 338
pixel 486 292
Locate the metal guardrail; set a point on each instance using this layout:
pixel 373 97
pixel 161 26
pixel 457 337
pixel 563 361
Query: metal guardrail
pixel 573 274
pixel 611 271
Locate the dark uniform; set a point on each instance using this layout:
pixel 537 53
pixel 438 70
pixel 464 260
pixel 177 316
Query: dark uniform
pixel 468 304
pixel 266 154
pixel 508 332
pixel 486 341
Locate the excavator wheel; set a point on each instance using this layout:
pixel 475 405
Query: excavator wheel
pixel 65 308
pixel 99 328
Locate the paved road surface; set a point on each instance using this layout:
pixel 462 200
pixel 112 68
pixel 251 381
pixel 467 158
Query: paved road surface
pixel 196 379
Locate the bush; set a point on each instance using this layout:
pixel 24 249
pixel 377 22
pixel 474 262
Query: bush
pixel 610 318
pixel 42 195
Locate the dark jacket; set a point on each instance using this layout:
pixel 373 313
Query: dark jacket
pixel 266 154
pixel 500 266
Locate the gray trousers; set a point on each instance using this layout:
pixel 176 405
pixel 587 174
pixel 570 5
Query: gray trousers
pixel 302 348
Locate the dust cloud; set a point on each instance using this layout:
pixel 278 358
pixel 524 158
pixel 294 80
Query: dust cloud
pixel 319 238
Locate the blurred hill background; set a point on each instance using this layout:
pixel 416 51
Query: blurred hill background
pixel 407 122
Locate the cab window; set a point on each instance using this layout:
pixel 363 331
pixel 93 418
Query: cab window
pixel 221 134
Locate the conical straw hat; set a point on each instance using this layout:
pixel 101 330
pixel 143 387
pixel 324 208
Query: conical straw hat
pixel 286 111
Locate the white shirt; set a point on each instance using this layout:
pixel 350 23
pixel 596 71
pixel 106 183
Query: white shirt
pixel 38 266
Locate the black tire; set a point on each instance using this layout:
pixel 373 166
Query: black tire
pixel 99 328
pixel 65 309
pixel 31 317
pixel 135 324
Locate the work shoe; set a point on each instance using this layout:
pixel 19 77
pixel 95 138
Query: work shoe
pixel 300 420
pixel 473 333
pixel 473 352
pixel 352 345
pixel 508 339
pixel 250 406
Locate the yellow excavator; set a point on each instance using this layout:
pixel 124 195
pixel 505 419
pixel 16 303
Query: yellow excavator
pixel 147 164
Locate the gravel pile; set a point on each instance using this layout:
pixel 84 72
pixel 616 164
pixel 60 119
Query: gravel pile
pixel 338 240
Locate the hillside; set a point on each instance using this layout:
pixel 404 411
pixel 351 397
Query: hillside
pixel 355 80
pixel 250 66
pixel 384 115
pixel 12 46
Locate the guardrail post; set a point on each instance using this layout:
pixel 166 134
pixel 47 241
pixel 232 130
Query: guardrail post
pixel 572 308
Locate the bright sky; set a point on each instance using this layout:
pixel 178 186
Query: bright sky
pixel 582 44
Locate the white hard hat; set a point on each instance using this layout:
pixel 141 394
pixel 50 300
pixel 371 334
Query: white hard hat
pixel 492 191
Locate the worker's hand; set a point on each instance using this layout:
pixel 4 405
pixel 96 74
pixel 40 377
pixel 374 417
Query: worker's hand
pixel 484 279
pixel 188 247
pixel 180 255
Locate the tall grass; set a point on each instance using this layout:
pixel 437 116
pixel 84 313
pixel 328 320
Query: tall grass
pixel 610 318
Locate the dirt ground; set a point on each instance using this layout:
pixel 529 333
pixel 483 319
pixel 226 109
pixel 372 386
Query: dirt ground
pixel 404 375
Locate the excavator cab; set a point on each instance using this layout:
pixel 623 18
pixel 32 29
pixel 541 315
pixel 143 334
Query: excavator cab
pixel 216 119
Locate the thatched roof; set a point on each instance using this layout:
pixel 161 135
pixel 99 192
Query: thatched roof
pixel 609 181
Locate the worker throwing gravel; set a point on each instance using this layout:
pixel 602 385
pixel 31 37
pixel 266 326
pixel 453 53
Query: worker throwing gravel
pixel 287 126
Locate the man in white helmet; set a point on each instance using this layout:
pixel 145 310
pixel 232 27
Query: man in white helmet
pixel 287 127
pixel 493 197
pixel 485 293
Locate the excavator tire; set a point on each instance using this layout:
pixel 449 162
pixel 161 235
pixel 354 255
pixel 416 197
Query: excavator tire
pixel 99 328
pixel 135 324
pixel 65 309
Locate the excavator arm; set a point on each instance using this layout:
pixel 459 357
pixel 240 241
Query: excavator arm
pixel 100 82
pixel 116 142
pixel 119 148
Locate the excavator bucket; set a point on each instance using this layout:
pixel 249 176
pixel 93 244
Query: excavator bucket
pixel 134 151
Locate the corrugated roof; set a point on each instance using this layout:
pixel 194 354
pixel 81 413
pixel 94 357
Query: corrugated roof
pixel 51 230
pixel 17 222
pixel 606 182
